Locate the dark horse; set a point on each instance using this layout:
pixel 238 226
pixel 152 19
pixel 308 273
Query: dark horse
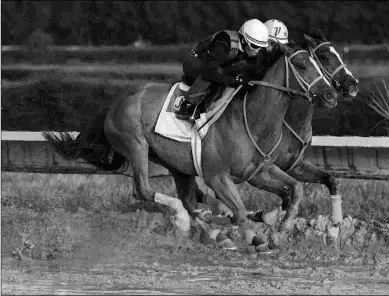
pixel 297 134
pixel 232 148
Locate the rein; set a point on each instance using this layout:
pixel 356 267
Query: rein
pixel 305 86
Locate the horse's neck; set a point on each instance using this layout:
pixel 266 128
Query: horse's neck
pixel 266 106
pixel 299 116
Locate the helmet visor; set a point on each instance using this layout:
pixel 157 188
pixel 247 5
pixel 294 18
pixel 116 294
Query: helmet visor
pixel 253 46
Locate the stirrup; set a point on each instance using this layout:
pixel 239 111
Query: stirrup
pixel 193 118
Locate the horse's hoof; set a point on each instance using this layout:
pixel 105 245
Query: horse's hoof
pixel 264 249
pixel 224 210
pixel 285 226
pixel 277 239
pixel 203 214
pixel 182 220
pixel 271 218
pixel 255 216
pixel 259 240
pixel 227 244
pixel 331 236
pixel 203 225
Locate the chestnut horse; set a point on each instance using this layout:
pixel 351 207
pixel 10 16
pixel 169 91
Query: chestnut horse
pixel 238 147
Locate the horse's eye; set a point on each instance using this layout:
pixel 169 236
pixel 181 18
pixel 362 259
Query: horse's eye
pixel 324 57
pixel 301 66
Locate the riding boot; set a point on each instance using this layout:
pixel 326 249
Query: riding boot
pixel 187 108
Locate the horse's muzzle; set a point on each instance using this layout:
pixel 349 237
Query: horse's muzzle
pixel 330 99
pixel 351 88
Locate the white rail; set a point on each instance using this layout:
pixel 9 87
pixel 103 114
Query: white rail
pixel 345 157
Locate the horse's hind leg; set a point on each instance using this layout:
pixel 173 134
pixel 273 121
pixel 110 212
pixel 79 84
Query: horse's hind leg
pixel 136 149
pixel 283 185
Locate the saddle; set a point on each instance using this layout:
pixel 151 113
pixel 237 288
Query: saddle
pixel 202 105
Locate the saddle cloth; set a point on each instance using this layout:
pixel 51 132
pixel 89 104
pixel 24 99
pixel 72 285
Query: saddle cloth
pixel 183 131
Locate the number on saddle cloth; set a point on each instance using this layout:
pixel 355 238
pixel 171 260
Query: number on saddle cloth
pixel 180 93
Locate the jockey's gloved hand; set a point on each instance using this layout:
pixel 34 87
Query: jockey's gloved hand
pixel 242 79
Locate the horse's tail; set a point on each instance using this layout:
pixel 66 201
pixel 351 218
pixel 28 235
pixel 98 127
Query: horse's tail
pixel 91 146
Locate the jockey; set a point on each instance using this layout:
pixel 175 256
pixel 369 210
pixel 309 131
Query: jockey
pixel 278 32
pixel 208 61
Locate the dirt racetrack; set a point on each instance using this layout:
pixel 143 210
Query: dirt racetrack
pixel 142 252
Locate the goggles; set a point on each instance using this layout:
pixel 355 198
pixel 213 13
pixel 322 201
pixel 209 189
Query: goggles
pixel 253 46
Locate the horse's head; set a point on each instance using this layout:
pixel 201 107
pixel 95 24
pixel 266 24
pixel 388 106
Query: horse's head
pixel 332 65
pixel 308 75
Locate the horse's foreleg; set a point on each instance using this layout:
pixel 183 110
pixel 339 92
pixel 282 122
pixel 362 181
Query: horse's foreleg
pixel 307 172
pixel 217 206
pixel 293 186
pixel 226 190
pixel 265 181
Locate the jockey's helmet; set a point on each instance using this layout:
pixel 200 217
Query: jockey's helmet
pixel 254 32
pixel 277 31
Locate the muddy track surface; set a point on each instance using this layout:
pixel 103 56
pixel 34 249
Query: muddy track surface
pixel 143 252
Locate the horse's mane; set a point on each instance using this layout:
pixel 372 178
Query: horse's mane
pixel 264 63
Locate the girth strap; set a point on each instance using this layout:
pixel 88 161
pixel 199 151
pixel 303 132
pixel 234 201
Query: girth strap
pixel 304 143
pixel 266 157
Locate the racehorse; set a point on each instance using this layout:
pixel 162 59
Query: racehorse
pixel 297 133
pixel 231 152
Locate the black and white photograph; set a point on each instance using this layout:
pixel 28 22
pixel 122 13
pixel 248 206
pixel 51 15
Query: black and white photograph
pixel 194 147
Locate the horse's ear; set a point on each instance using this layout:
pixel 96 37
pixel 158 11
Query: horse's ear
pixel 321 34
pixel 309 39
pixel 295 45
pixel 286 49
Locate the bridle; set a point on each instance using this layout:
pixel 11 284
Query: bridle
pixel 307 93
pixel 327 74
pixel 301 81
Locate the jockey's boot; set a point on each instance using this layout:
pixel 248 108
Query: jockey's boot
pixel 186 110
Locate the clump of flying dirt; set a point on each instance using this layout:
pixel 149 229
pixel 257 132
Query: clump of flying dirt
pixel 352 233
pixel 25 251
